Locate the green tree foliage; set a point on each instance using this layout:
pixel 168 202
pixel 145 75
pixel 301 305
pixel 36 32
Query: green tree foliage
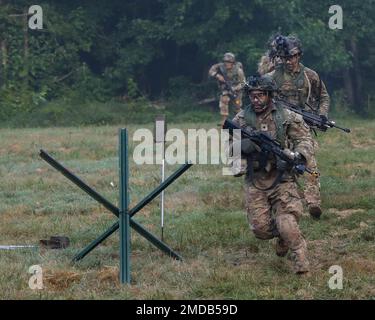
pixel 97 50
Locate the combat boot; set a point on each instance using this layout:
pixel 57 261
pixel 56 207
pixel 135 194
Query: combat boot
pixel 301 264
pixel 315 210
pixel 281 248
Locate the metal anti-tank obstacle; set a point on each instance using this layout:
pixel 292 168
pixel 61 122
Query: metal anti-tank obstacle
pixel 123 213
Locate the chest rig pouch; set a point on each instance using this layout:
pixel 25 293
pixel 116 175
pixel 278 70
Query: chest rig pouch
pixel 232 75
pixel 262 158
pixel 294 92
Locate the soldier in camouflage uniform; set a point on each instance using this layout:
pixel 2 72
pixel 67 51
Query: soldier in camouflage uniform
pixel 230 77
pixel 273 203
pixel 298 84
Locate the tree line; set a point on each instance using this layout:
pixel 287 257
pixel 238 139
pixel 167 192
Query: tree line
pixel 159 49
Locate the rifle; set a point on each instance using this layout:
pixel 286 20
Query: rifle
pixel 269 145
pixel 228 86
pixel 312 119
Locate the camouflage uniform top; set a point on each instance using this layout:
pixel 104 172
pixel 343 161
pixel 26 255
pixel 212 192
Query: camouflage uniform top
pixel 302 86
pixel 295 133
pixel 235 75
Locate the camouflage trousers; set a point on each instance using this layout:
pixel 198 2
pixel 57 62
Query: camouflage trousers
pixel 225 99
pixel 312 183
pixel 275 213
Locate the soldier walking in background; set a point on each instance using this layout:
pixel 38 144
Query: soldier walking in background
pixel 304 88
pixel 230 77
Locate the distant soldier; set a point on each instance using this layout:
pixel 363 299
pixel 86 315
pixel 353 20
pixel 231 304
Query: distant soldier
pixel 272 200
pixel 299 85
pixel 230 77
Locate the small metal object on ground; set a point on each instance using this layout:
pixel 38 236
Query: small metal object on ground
pixel 15 247
pixel 55 242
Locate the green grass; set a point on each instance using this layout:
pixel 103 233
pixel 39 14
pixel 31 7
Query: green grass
pixel 205 223
pixel 65 113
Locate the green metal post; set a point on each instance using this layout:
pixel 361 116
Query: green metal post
pixel 124 214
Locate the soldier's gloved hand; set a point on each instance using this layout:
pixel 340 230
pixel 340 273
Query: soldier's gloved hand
pixel 300 159
pixel 282 165
pixel 247 146
pixel 299 169
pixel 292 155
pixel 220 78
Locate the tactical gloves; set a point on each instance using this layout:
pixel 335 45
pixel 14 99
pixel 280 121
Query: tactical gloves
pixel 282 165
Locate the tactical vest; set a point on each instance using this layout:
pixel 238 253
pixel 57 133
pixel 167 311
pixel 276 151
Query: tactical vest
pixel 293 93
pixel 279 117
pixel 233 75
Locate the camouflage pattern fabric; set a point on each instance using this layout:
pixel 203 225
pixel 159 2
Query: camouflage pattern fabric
pixel 276 212
pixel 297 88
pixel 225 99
pixel 311 188
pixel 285 204
pixel 237 77
pixel 302 86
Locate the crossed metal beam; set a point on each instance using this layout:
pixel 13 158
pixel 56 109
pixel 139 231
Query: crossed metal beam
pixel 115 210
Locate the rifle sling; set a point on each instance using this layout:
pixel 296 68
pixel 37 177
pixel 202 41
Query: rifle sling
pixel 250 176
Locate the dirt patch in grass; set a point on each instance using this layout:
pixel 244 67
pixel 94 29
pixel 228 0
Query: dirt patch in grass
pixel 224 200
pixel 363 145
pixel 317 251
pixel 108 274
pixel 60 280
pixel 358 265
pixel 15 148
pixel 343 214
pixel 242 256
pixel 182 199
pixel 358 165
pixel 350 200
pixel 13 214
pixel 318 244
pixel 325 253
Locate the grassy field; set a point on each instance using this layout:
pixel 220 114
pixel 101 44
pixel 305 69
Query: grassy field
pixel 205 223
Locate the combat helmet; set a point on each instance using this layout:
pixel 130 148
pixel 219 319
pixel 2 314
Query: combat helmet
pixel 263 83
pixel 291 47
pixel 277 45
pixel 229 57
